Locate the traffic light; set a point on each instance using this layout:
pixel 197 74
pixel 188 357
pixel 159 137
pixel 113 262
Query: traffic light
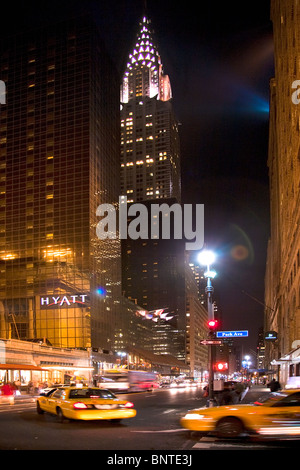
pixel 212 325
pixel 221 366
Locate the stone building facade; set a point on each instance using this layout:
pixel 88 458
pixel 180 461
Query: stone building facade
pixel 282 293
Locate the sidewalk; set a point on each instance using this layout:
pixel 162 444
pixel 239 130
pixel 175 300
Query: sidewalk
pixel 244 393
pixel 249 395
pixel 259 388
pixel 26 396
pixel 13 399
pixel 254 393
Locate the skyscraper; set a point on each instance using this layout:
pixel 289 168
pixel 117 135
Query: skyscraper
pixel 150 152
pixel 152 269
pixel 59 159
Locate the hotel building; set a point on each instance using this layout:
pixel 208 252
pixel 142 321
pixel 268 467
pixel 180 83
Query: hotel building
pixel 59 159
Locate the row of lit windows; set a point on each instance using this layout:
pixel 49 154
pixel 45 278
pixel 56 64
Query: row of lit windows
pixel 161 157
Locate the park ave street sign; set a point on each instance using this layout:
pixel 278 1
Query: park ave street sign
pixel 232 334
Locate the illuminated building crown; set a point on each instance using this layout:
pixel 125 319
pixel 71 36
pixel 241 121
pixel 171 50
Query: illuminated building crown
pixel 144 72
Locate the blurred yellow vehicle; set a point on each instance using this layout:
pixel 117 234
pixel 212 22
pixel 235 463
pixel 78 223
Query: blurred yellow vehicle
pixel 276 415
pixel 86 403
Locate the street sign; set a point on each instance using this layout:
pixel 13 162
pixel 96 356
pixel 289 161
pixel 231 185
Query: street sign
pixel 211 341
pixel 232 334
pixel 271 336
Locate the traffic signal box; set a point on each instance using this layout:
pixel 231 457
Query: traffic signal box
pixel 212 326
pixel 221 366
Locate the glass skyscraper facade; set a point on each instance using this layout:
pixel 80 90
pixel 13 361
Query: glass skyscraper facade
pixel 59 159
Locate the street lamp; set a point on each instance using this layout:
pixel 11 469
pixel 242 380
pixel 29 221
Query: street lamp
pixel 206 258
pixel 122 354
pixel 246 363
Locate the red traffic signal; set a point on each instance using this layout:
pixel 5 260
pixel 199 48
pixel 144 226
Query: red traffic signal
pixel 221 366
pixel 212 324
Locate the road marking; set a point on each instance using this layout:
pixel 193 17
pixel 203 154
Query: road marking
pixel 168 411
pixel 202 446
pixel 246 446
pixel 213 443
pixel 18 407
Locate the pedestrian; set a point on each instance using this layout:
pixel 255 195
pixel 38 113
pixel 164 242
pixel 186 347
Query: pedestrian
pixel 228 395
pixel 30 388
pixel 7 393
pixel 274 385
pixel 17 385
pixel 36 388
pixel 239 389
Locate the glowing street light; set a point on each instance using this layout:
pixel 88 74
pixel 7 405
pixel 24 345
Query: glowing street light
pixel 207 258
pixel 122 354
pixel 246 363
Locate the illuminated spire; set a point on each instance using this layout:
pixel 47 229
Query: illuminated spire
pixel 143 75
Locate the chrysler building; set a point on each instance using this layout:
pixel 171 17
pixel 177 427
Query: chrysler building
pixel 150 155
pixel 153 269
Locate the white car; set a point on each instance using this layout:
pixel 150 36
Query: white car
pixel 51 388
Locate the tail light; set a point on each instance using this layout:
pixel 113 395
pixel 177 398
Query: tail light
pixel 79 406
pixel 128 404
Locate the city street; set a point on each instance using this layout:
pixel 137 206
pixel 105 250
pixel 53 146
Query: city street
pixel 155 428
pixel 149 233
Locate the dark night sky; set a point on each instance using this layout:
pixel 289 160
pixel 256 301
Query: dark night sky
pixel 219 58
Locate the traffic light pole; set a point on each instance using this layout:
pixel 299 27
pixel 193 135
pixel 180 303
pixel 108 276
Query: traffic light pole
pixel 211 376
pixel 206 258
pixel 209 290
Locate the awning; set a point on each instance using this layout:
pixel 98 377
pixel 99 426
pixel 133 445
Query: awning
pixel 69 368
pixel 19 367
pixel 293 357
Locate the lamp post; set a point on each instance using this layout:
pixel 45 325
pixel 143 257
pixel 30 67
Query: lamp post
pixel 122 354
pixel 206 258
pixel 246 363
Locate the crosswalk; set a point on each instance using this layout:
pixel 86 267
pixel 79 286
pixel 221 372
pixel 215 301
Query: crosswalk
pixel 18 404
pixel 213 443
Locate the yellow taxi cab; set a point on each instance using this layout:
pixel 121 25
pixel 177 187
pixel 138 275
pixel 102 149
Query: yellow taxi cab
pixel 276 415
pixel 86 403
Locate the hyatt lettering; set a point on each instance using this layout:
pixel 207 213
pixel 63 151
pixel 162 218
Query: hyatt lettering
pixel 62 301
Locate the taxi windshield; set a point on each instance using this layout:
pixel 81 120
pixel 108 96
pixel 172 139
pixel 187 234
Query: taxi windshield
pixel 90 393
